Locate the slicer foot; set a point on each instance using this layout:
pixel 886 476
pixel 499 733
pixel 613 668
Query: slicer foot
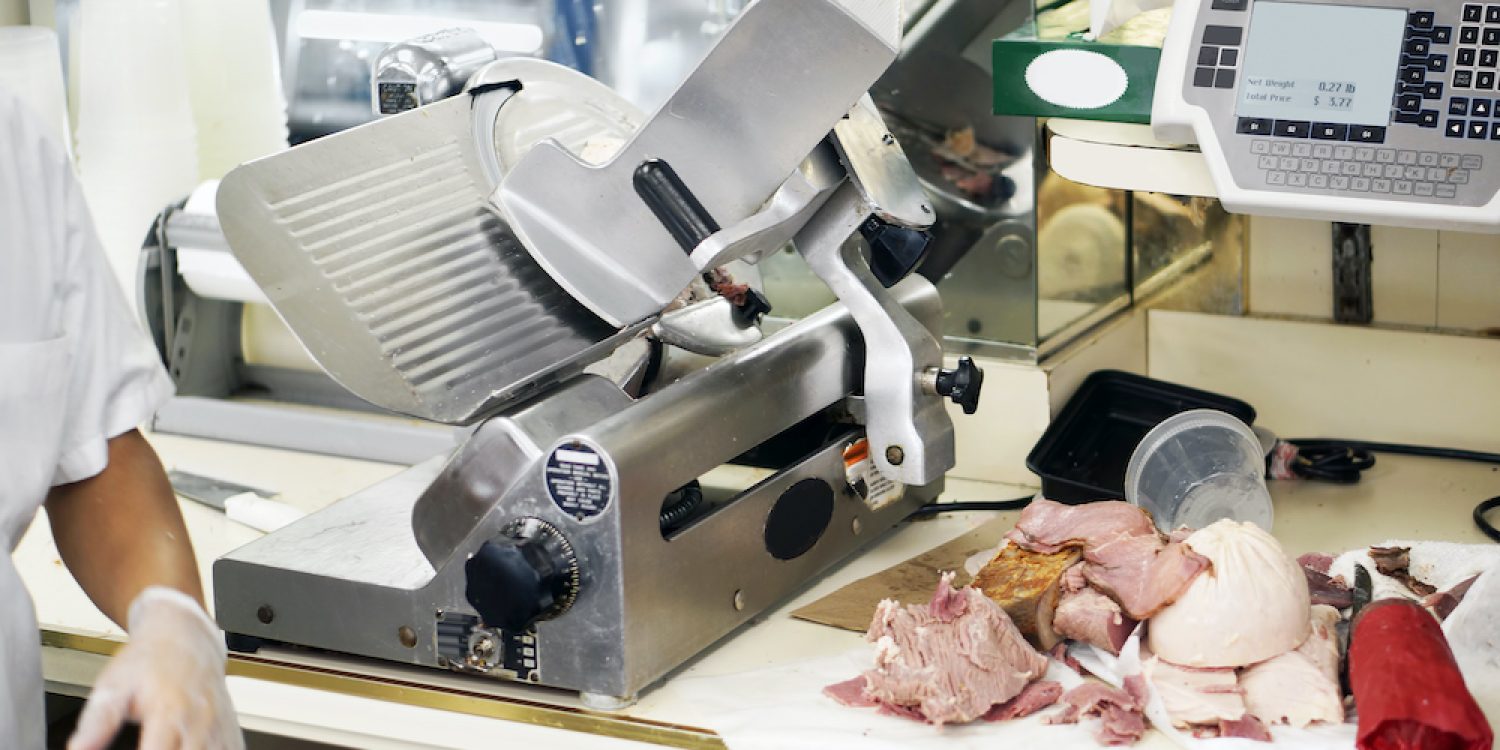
pixel 602 702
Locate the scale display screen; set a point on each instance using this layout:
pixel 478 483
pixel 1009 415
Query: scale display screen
pixel 1321 63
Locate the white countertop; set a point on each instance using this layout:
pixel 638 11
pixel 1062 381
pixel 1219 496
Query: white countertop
pixel 1402 497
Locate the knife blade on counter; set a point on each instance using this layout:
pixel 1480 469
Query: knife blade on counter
pixel 251 506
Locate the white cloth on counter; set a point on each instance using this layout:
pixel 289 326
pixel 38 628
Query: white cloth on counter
pixel 784 708
pixel 75 371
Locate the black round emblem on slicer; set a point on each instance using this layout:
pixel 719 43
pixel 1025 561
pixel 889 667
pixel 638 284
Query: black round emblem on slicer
pixel 578 480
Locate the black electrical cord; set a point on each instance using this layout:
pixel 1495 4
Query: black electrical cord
pixel 1484 523
pixel 1343 460
pixel 932 509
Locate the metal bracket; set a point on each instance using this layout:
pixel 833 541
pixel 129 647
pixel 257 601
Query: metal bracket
pixel 1353 300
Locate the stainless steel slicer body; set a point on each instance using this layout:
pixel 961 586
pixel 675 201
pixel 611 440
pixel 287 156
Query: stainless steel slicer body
pixel 464 260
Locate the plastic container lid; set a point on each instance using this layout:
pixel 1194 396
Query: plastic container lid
pixel 1198 467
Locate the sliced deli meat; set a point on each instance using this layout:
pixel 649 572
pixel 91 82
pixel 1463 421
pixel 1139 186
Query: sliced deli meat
pixel 1299 687
pixel 1034 697
pixel 1090 617
pixel 1124 555
pixel 1194 697
pixel 950 660
pixel 1251 606
pixel 1027 586
pixel 1120 712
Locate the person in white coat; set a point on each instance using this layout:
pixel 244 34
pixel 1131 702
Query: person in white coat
pixel 77 376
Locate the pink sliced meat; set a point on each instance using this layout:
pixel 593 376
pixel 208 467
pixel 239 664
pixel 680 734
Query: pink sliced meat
pixel 1316 561
pixel 1443 603
pixel 1119 711
pixel 1047 526
pixel 1093 618
pixel 951 660
pixel 903 712
pixel 1059 653
pixel 1325 590
pixel 1141 573
pixel 1034 697
pixel 1249 728
pixel 850 693
pixel 1196 697
pixel 1124 556
pixel 1073 579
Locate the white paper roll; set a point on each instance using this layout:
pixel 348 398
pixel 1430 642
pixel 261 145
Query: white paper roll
pixel 265 340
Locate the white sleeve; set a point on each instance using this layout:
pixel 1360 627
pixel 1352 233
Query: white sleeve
pixel 117 380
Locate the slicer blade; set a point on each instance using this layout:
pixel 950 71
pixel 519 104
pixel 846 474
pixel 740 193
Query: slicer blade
pixel 379 249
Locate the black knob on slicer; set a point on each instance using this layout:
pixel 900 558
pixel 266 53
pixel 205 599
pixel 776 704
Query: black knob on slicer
pixel 526 574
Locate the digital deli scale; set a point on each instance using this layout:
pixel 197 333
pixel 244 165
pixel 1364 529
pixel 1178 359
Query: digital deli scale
pixel 1350 110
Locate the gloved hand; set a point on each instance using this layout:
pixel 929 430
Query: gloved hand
pixel 169 678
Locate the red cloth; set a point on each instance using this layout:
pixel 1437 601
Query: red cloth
pixel 1407 688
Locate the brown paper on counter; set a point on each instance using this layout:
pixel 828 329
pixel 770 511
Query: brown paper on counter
pixel 853 607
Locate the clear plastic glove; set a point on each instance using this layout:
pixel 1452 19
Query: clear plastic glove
pixel 169 678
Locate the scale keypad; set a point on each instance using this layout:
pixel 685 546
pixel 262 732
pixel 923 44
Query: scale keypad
pixel 1363 169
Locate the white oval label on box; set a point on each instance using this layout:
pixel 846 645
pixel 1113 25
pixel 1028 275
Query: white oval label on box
pixel 1076 79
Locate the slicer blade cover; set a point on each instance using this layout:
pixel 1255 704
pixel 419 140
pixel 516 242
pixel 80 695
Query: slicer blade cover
pixel 379 248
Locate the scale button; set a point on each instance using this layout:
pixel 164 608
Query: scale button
pixel 1296 180
pixel 1473 161
pixel 1394 171
pixel 1424 189
pixel 1459 176
pixel 1489 58
pixel 1281 149
pixel 1338 183
pixel 1330 131
pixel 1208 56
pixel 1380 186
pixel 1428 118
pixel 1458 105
pixel 1234 5
pixel 1428 159
pixel 1371 170
pixel 1413 75
pixel 1433 90
pixel 1302 149
pixel 1331 167
pixel 1449 161
pixel 1418 46
pixel 1260 147
pixel 1494 132
pixel 1309 165
pixel 1293 128
pixel 1385 155
pixel 1323 151
pixel 1468 56
pixel 1362 184
pixel 1203 78
pixel 1468 35
pixel 1267 162
pixel 1253 126
pixel 1480 107
pixel 1437 174
pixel 1343 152
pixel 1401 187
pixel 1473 13
pixel 1485 80
pixel 1276 178
pixel 1455 129
pixel 1491 37
pixel 1420 19
pixel 1462 79
pixel 1222 36
pixel 1442 35
pixel 1317 180
pixel 1406 157
pixel 1229 56
pixel 1437 63
pixel 1447 191
pixel 1492 14
pixel 1364 154
pixel 1224 79
pixel 1409 102
pixel 1288 163
pixel 1479 130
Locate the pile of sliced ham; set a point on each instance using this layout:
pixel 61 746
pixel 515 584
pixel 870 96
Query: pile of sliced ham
pixel 953 660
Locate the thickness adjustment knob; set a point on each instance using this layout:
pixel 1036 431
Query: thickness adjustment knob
pixel 962 384
pixel 527 573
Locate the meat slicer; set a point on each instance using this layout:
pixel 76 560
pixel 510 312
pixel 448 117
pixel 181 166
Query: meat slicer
pixel 463 261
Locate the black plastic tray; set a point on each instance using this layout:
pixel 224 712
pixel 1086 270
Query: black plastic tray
pixel 1083 454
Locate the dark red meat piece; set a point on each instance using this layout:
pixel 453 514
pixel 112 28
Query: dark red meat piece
pixel 1408 691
